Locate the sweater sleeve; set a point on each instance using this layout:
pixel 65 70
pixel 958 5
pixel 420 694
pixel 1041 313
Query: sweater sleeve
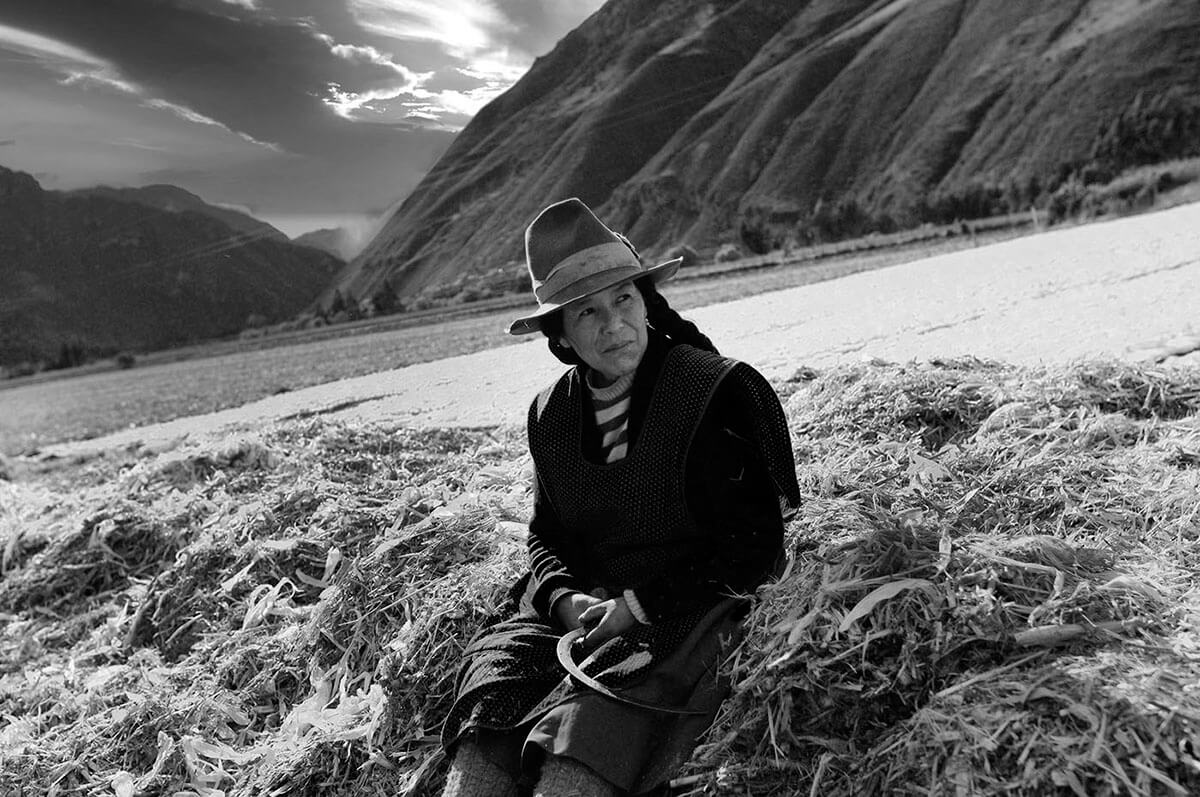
pixel 734 498
pixel 550 577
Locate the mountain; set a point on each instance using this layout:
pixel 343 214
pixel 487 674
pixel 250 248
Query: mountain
pixel 85 272
pixel 176 200
pixel 706 122
pixel 333 240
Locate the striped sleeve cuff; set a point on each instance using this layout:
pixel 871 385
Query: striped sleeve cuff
pixel 635 607
pixel 555 596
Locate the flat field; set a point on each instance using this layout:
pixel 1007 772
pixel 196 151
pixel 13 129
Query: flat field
pixel 64 406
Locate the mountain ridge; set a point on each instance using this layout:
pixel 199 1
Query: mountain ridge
pixel 174 199
pixel 709 123
pixel 87 275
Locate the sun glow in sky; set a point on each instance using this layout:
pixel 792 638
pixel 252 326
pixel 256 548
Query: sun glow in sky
pixel 294 109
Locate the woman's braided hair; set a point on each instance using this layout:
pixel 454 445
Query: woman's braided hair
pixel 660 316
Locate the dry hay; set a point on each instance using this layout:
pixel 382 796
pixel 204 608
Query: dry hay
pixel 993 590
pixel 322 581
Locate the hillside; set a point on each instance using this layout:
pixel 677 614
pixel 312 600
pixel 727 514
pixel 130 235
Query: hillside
pixel 333 240
pixel 757 122
pixel 177 200
pixel 85 274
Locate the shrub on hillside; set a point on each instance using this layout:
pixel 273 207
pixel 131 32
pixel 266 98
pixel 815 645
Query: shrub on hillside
pixel 71 353
pixel 1152 129
pixel 385 300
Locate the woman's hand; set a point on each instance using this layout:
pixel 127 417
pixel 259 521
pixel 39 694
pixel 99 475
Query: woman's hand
pixel 569 607
pixel 605 620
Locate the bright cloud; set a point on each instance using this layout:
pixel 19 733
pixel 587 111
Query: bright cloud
pixel 451 107
pixel 470 32
pixel 464 27
pixel 490 84
pixel 183 113
pixel 346 104
pixel 367 54
pixel 100 78
pixel 350 104
pixel 189 115
pixel 77 64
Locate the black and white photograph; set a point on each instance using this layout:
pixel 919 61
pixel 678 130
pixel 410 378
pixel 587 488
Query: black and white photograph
pixel 599 398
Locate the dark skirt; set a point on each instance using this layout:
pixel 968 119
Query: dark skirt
pixel 511 679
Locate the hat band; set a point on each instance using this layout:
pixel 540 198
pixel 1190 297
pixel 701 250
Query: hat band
pixel 583 264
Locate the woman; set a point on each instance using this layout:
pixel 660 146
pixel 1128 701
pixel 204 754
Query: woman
pixel 664 478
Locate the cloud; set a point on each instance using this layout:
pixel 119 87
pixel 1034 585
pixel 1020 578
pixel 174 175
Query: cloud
pixel 259 75
pixel 487 46
pixel 57 55
pixel 460 26
pixel 453 78
pixel 346 103
pixel 80 67
pixel 369 55
pixel 189 115
pixel 534 26
pixel 350 104
pixel 138 144
pixel 287 73
pixel 512 31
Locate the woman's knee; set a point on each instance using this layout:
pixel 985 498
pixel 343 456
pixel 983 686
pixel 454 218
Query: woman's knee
pixel 565 777
pixel 474 772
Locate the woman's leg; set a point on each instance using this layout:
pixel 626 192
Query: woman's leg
pixel 565 777
pixel 473 773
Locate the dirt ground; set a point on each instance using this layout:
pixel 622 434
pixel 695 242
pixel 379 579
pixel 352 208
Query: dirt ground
pixel 1127 288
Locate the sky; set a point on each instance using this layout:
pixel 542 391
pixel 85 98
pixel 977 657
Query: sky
pixel 305 113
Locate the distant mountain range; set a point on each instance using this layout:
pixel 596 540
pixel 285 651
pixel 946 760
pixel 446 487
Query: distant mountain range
pixel 749 121
pixel 334 240
pixel 177 200
pixel 97 271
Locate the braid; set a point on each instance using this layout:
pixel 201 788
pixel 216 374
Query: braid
pixel 663 318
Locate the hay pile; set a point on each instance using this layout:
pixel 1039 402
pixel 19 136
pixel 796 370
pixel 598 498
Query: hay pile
pixel 272 614
pixel 994 590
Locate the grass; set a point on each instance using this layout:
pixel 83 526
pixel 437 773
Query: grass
pixel 994 590
pixel 63 405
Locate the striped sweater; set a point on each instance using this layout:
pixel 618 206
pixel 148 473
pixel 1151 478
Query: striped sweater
pixel 611 405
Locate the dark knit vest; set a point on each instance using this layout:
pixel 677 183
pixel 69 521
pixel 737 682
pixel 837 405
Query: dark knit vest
pixel 629 518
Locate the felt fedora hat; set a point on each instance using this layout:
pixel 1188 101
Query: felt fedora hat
pixel 571 254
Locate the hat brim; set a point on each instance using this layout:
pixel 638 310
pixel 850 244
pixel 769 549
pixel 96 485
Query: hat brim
pixel 532 322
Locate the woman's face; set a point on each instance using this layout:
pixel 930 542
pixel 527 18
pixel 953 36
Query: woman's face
pixel 607 330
